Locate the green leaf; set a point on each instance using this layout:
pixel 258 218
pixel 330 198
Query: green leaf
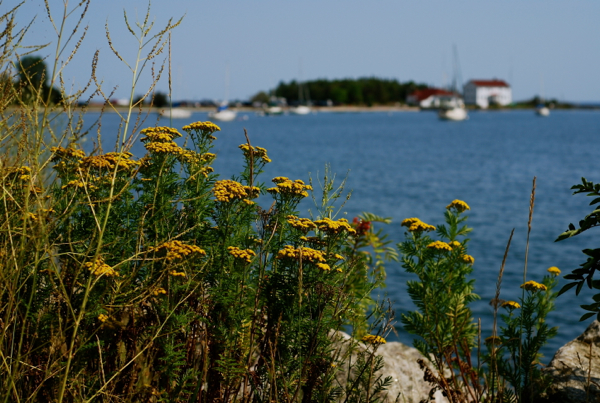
pixel 587 315
pixel 566 288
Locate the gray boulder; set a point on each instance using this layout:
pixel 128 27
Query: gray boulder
pixel 400 362
pixel 575 374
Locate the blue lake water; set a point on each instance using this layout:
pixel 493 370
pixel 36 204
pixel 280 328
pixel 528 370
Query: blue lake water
pixel 408 164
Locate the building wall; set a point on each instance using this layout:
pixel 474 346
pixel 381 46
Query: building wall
pixel 481 96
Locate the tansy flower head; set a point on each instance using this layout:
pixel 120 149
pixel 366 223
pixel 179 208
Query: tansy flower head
pixel 467 259
pixel 533 286
pixel 416 225
pixel 455 244
pixel 439 245
pixel 102 317
pixel 459 205
pixel 158 291
pixel 335 227
pixel 243 254
pixel 511 305
pixel 554 270
pixel 99 268
pixel 373 339
pixel 208 127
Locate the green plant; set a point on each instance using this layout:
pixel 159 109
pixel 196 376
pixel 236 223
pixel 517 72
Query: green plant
pixel 584 275
pixel 443 321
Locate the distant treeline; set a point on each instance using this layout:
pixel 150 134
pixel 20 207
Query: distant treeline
pixel 361 91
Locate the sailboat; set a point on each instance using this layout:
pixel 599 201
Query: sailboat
pixel 541 109
pixel 223 113
pixel 453 108
pixel 303 107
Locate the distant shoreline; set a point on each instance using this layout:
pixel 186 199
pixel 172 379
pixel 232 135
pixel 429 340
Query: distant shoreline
pixel 324 109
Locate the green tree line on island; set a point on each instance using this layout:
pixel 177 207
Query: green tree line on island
pixel 362 91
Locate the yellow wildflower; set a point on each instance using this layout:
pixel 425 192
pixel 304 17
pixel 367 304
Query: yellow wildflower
pixel 178 250
pixel 109 161
pixel 439 245
pixel 102 317
pixel 242 254
pixel 467 259
pixel 286 186
pixel 459 205
pixel 533 286
pixel 158 291
pixel 416 225
pixel 256 151
pixel 511 305
pixel 307 254
pixel 303 224
pixel 373 339
pixel 164 148
pixel 66 153
pixel 455 244
pixel 159 134
pixel 202 126
pixel 248 202
pixel 554 270
pixel 335 227
pixel 228 190
pixel 99 268
pixel 176 273
pixel 324 266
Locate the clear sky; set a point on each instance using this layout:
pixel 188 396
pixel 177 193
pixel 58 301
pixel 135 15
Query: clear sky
pixel 525 42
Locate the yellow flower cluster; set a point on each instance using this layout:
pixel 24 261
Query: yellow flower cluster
pixel 242 254
pixel 227 190
pixel 323 266
pixel 109 161
pixel 158 291
pixel 511 305
pixel 24 173
pixel 159 140
pixel 533 286
pixel 286 186
pixel 99 268
pixel 202 127
pixel 459 205
pixel 102 317
pixel 303 224
pixel 313 239
pixel 176 273
pixel 164 148
pixel 373 339
pixel 467 259
pixel 66 153
pixel 257 151
pixel 455 244
pixel 178 250
pixel 439 245
pixel 159 134
pixel 416 225
pixel 311 255
pixel 335 227
pixel 554 270
pixel 79 184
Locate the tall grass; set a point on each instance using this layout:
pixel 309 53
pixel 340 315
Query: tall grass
pixel 154 279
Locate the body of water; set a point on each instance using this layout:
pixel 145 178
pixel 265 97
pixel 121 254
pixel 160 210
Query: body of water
pixel 409 164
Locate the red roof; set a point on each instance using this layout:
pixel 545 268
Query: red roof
pixel 490 83
pixel 420 95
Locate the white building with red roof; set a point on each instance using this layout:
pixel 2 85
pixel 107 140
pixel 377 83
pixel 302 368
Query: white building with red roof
pixel 487 92
pixel 428 98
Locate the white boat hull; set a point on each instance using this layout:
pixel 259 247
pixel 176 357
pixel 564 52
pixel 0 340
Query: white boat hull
pixel 300 110
pixel 455 114
pixel 543 111
pixel 175 113
pixel 223 116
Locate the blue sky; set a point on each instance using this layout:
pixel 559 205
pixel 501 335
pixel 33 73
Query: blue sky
pixel 266 41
